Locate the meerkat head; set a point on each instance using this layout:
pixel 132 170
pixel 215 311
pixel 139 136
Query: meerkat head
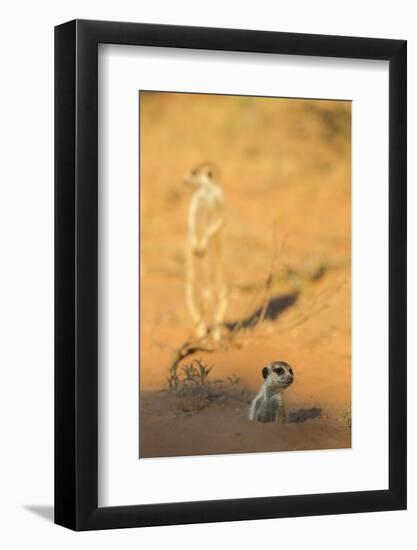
pixel 203 175
pixel 278 374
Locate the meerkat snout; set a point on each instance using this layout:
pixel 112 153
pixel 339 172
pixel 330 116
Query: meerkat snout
pixel 280 374
pixel 268 405
pixel 204 175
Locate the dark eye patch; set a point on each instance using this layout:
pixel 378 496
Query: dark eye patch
pixel 279 371
pixel 290 371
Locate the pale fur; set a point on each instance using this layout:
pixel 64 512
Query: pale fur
pixel 205 286
pixel 268 405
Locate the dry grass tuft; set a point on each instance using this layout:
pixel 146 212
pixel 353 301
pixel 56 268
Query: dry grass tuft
pixel 347 416
pixel 194 391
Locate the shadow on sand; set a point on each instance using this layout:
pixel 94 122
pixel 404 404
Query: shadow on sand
pixel 276 306
pixel 302 415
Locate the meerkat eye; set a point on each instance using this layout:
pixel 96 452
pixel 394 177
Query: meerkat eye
pixel 290 370
pixel 279 371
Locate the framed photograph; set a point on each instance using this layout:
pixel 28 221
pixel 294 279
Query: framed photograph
pixel 230 275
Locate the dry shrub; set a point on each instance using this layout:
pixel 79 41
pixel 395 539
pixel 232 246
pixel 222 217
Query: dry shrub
pixel 347 416
pixel 190 385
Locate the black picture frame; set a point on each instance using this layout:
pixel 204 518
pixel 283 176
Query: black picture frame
pixel 76 273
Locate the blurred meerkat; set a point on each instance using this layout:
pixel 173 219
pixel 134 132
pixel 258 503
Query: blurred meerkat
pixel 268 405
pixel 205 287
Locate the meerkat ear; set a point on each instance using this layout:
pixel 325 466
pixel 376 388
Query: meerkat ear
pixel 265 372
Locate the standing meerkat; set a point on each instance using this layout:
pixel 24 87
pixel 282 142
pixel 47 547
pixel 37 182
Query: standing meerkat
pixel 205 286
pixel 268 405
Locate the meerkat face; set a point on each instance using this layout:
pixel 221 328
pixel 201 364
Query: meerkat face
pixel 278 374
pixel 202 176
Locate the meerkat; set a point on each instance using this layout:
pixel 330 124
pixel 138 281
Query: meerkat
pixel 205 286
pixel 268 405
